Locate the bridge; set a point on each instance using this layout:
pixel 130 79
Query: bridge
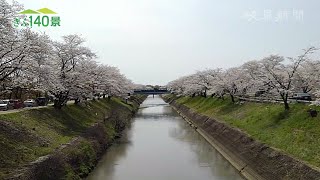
pixel 152 92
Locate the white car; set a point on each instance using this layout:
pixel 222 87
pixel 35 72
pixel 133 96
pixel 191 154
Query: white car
pixel 4 105
pixel 30 103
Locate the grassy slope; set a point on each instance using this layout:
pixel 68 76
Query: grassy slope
pixel 34 133
pixel 293 132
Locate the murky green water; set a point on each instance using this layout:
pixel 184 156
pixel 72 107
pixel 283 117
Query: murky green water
pixel 160 145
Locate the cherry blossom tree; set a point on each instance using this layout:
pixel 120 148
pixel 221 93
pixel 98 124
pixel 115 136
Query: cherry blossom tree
pixel 115 83
pixel 279 76
pixel 69 53
pixel 64 69
pixel 307 76
pixel 177 86
pixel 206 79
pixel 199 83
pixel 15 45
pixel 233 81
pixel 36 72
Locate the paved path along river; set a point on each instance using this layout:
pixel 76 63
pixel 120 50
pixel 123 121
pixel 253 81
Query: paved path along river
pixel 160 145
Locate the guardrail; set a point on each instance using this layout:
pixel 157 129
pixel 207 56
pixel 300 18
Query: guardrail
pixel 269 100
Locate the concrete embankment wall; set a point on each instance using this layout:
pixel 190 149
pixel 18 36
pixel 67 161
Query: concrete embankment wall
pixel 76 159
pixel 253 159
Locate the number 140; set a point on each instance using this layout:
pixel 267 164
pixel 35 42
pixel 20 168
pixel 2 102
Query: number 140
pixel 44 21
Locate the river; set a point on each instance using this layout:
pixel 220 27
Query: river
pixel 160 145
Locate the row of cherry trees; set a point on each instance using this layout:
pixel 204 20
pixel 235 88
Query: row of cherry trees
pixel 278 76
pixel 62 69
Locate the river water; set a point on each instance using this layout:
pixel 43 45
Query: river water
pixel 160 145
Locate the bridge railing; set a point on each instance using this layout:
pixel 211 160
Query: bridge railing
pixel 151 91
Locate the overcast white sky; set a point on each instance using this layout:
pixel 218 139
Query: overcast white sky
pixel 156 41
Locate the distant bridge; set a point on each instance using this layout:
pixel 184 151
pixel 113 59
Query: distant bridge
pixel 151 92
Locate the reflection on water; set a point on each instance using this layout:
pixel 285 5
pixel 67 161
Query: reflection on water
pixel 160 145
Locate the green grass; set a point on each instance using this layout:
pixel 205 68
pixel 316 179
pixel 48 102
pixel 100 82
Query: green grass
pixel 293 132
pixel 29 134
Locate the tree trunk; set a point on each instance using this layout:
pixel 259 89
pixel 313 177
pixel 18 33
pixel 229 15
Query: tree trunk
pixel 285 101
pixel 20 93
pixel 286 105
pixel 61 100
pixel 77 101
pixel 221 96
pixel 304 90
pixel 232 98
pixel 57 104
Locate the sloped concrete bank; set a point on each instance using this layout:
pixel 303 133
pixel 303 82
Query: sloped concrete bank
pixel 253 159
pixel 77 159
